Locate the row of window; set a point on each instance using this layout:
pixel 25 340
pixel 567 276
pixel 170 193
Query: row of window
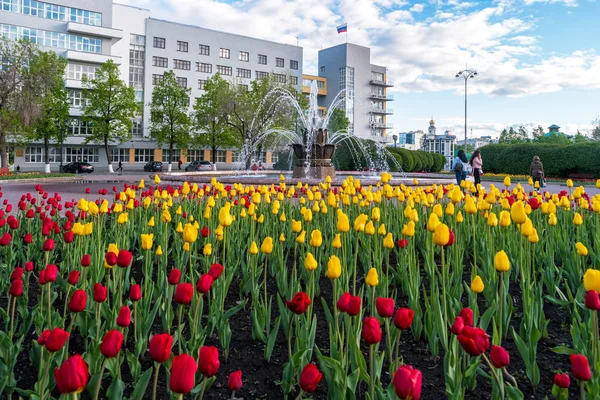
pixel 52 11
pixel 244 56
pixel 227 71
pixel 52 39
pixel 35 154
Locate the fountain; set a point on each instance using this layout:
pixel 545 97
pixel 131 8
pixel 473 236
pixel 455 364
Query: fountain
pixel 317 164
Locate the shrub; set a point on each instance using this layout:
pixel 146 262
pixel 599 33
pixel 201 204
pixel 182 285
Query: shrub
pixel 438 162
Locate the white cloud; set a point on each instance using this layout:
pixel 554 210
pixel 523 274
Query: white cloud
pixel 417 8
pixel 568 3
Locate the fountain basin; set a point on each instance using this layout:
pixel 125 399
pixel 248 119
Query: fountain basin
pixel 318 165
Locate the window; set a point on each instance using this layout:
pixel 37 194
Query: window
pixel 279 78
pixel 275 157
pixel 201 84
pixel 75 98
pixel 182 46
pixel 139 40
pixel 204 50
pixel 204 67
pixel 52 11
pixel 261 75
pixel 293 64
pixel 182 81
pixel 243 73
pixel 260 156
pixel 158 42
pixel 244 56
pixel 85 154
pixel 137 128
pixel 162 62
pixel 294 80
pixel 262 59
pixel 175 155
pixel 195 155
pixel 78 71
pixel 52 39
pixel 181 64
pixel 322 68
pixel 236 156
pixel 34 154
pixel 279 62
pixel 156 79
pixel 223 53
pixel 78 127
pixel 244 87
pixel 224 70
pixel 221 156
pixel 143 155
pixel 117 155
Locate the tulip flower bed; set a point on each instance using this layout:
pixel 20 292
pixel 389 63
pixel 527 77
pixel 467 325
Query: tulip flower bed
pixel 294 292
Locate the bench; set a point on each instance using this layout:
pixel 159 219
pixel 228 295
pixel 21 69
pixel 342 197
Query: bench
pixel 581 176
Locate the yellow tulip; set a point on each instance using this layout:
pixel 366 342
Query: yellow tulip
pixel 409 229
pixel 459 217
pixel 159 251
pixel 517 212
pixel 343 223
pixel 360 222
pixel 437 210
pixel 142 185
pixel 93 209
pixel 470 207
pixel 375 214
pixel 151 222
pixel 505 219
pixel 179 228
pixel 166 216
pixel 316 239
pixel 123 218
pixel 569 183
pixel 253 248
pixel 261 219
pixel 337 242
pixel 501 261
pixel 186 246
pixel 334 268
pixel 441 236
pixel 87 228
pixel 533 238
pixel 477 285
pixel 147 241
pixel 267 245
pixel 598 183
pixel 507 181
pixel 281 238
pixel 526 228
pixel 450 209
pixel 112 247
pixel 296 226
pixel 370 228
pixel 591 280
pixel 301 237
pixel 492 220
pixel 581 249
pixel 372 278
pixel 552 220
pixel 310 263
pixel 433 222
pixel 207 250
pixel 577 219
pixel 82 205
pixel 457 195
pixel 388 241
pixel 282 217
pixel 381 231
pixel 156 179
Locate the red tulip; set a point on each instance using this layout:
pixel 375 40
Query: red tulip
pixel 204 232
pixel 407 383
pixel 467 316
pixel 371 332
pixel 124 258
pixel 184 293
pixel 160 347
pixel 474 340
pixel 56 339
pixel 500 357
pixel 16 288
pixel 77 302
pixel 204 283
pixel 385 307
pixel 44 337
pixel 450 238
pixel 51 273
pixel 99 293
pixel 580 367
pixel 403 318
pixel 68 236
pixel 72 376
pixel 29 266
pixel 73 278
pixel 458 325
pixel 208 361
pixel 310 378
pixel 110 258
pixel 235 381
pixel 592 300
pixel 135 292
pixel 562 381
pixel 402 243
pixel 299 303
pixel 5 239
pixel 28 239
pixel 86 260
pixel 533 203
pixel 174 276
pixel 111 344
pixel 183 371
pixel 48 245
pixel 215 271
pixel 17 274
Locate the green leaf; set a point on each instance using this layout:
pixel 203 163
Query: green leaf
pixel 141 385
pixel 272 339
pixel 115 390
pixel 563 350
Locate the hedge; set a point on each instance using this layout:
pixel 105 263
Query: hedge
pixel 559 160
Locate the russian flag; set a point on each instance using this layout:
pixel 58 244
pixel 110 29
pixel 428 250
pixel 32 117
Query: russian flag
pixel 342 28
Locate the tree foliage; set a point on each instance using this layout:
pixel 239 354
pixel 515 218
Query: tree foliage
pixel 109 106
pixel 512 135
pixel 210 118
pixel 170 122
pixel 338 121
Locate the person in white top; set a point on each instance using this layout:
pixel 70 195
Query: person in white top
pixel 477 164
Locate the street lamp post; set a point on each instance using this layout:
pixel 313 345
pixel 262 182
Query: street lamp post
pixel 395 137
pixel 466 74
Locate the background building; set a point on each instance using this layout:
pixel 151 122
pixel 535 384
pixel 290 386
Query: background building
pixel 307 81
pixel 348 67
pixel 441 144
pixel 476 142
pixel 412 140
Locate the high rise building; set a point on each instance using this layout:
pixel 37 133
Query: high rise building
pixel 362 85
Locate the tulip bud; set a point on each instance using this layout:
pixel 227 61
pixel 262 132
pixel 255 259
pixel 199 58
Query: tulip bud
pixel 501 262
pixel 55 339
pixel 111 344
pixel 135 292
pixel 124 317
pixel 499 357
pixel 235 381
pixel 592 300
pixel 77 302
pixel 208 361
pixel 372 278
pixel 215 271
pixel 385 307
pixel 562 381
pixel 16 288
pixel 204 283
pixel 580 367
pixel 99 293
pixel 160 347
pixel 72 376
pixel 477 285
pixel 371 332
pixel 174 276
pixel 310 378
pixel 184 293
pixel 73 278
pixel 299 303
pixel 407 382
pixel 183 371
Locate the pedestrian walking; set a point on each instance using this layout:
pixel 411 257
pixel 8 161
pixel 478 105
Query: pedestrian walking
pixel 536 171
pixel 460 167
pixel 476 164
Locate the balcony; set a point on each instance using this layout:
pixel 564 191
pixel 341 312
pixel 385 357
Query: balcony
pixel 91 30
pixel 383 97
pixel 380 139
pixel 320 92
pixel 380 125
pixel 376 110
pixel 377 82
pixel 91 57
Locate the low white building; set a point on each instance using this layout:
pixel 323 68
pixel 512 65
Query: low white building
pixel 442 144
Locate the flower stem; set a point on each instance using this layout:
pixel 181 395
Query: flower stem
pixel 371 377
pixel 100 380
pixel 157 368
pixel 203 388
pixel 581 390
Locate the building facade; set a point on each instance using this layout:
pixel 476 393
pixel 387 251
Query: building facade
pixel 441 144
pixel 144 48
pixel 362 85
pixel 307 81
pixel 412 140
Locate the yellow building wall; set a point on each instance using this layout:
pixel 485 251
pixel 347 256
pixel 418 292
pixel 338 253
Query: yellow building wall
pixel 157 154
pixel 183 156
pixel 228 156
pixel 269 157
pixel 207 155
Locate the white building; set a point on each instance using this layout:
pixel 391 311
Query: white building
pixel 442 144
pixel 412 140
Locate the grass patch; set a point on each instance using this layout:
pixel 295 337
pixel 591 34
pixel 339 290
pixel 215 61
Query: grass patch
pixel 32 175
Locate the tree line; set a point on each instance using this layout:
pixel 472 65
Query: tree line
pixel 521 135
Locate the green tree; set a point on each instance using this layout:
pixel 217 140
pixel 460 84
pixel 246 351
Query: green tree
pixel 109 106
pixel 54 111
pixel 580 138
pixel 522 134
pixel 210 119
pixel 537 132
pixel 512 136
pixel 338 121
pixel 21 86
pixel 170 122
pixel 596 130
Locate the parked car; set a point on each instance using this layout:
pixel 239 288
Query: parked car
pixel 199 166
pixel 78 167
pixel 153 166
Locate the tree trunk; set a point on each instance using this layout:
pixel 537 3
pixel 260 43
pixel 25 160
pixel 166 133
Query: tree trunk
pixel 170 154
pixel 3 150
pixel 107 150
pixel 214 154
pixel 46 155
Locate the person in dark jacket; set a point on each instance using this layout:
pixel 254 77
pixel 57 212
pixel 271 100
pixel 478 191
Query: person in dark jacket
pixel 536 170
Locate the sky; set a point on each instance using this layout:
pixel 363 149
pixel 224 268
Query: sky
pixel 537 60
